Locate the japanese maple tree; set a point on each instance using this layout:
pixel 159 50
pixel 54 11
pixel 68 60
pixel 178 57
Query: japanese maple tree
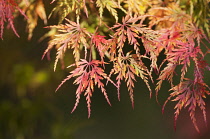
pixel 124 34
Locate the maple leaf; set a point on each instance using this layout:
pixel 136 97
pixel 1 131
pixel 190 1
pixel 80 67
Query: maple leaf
pixel 127 30
pixel 111 45
pixel 150 40
pixel 189 93
pixel 101 44
pixel 132 31
pixel 110 5
pixel 33 11
pixel 71 36
pixel 7 9
pixel 88 75
pixel 65 7
pixel 166 74
pixel 126 68
pixel 98 40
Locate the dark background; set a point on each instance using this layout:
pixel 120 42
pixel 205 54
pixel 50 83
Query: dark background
pixel 30 108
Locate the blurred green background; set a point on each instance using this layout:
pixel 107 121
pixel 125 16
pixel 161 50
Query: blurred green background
pixel 30 108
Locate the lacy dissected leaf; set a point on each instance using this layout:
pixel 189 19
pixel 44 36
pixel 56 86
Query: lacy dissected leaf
pixel 110 5
pixel 111 45
pixel 101 45
pixel 166 74
pixel 126 68
pixel 65 7
pixel 33 10
pixel 189 94
pixel 71 36
pixel 7 9
pixel 150 40
pixel 131 31
pixel 182 56
pixel 127 30
pixel 88 75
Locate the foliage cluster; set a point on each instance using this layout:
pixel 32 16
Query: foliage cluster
pixel 131 36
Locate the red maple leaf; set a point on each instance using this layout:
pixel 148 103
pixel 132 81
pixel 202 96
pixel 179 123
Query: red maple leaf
pixel 7 8
pixel 101 45
pixel 88 74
